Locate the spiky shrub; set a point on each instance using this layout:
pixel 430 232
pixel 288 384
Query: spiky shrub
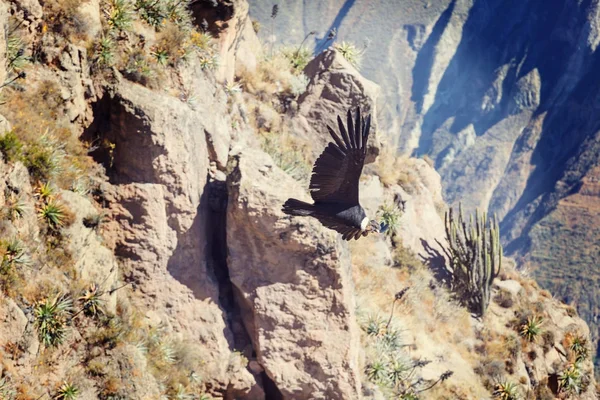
pixel 45 192
pixel 53 214
pixel 67 391
pixel 569 381
pixel 350 52
pixel 390 216
pixel 297 57
pixel 15 208
pixel 374 326
pixel 51 317
pixel 16 59
pixel 11 146
pixel 104 52
pixel 120 15
pixel 91 301
pixel 14 253
pixel 475 255
pixel 287 155
pixel 532 329
pixel 377 371
pixel 44 158
pixel 153 12
pixel 579 347
pixel 506 391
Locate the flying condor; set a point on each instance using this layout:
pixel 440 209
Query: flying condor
pixel 334 182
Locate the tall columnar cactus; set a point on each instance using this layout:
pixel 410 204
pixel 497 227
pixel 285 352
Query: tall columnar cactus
pixel 475 257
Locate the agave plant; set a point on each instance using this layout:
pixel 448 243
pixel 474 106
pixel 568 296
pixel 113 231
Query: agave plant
pixel 15 253
pixel 51 317
pixel 45 192
pixel 579 346
pixel 67 391
pixel 374 326
pixel 532 328
pixel 569 381
pixel 53 214
pixel 91 300
pixel 506 391
pixel 377 371
pixel 351 53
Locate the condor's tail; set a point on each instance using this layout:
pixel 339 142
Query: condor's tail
pixel 297 207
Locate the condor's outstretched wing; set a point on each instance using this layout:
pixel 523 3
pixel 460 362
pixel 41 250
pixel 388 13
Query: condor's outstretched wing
pixel 336 172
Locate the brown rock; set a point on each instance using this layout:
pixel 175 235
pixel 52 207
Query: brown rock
pixel 294 283
pixel 160 170
pixel 335 86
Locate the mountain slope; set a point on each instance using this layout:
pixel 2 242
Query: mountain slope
pixel 501 95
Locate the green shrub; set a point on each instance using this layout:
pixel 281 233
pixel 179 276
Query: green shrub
pixel 152 11
pixel 569 381
pixel 506 391
pixel 579 346
pixel 44 158
pixel 390 216
pixel 51 317
pixel 120 15
pixel 91 301
pixel 14 253
pixel 53 214
pixel 11 146
pixel 15 207
pixel 67 391
pixel 532 328
pixel 377 371
pixel 297 57
pixel 104 52
pixel 287 155
pixel 351 53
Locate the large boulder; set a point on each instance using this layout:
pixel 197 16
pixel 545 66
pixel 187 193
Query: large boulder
pixel 294 285
pixel 335 87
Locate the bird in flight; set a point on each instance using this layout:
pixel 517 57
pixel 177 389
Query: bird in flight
pixel 334 182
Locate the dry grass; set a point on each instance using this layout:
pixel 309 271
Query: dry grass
pixel 395 170
pixel 274 76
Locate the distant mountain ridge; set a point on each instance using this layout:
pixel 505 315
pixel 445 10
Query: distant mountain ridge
pixel 503 96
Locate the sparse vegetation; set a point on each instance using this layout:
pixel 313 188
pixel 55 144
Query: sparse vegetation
pixel 350 52
pixel 67 391
pixel 569 380
pixel 53 214
pixel 51 318
pixel 390 216
pixel 506 391
pixel 120 14
pixel 11 146
pixel 288 154
pixel 532 329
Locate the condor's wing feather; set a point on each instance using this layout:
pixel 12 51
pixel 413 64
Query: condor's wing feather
pixel 337 171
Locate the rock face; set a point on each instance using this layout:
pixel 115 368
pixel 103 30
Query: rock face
pixel 335 86
pixel 502 96
pixel 160 170
pixel 294 284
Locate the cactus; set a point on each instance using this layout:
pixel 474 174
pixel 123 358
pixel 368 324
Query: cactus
pixel 475 256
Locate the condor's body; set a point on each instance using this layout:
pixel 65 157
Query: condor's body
pixel 334 182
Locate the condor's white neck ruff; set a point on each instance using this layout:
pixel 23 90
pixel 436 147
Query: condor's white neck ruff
pixel 364 223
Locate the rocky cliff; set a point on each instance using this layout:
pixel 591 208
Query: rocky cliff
pixel 146 150
pixel 501 96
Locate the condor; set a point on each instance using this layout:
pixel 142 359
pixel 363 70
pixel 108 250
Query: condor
pixel 334 182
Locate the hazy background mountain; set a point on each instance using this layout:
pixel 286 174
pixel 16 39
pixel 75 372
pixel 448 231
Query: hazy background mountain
pixel 503 95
